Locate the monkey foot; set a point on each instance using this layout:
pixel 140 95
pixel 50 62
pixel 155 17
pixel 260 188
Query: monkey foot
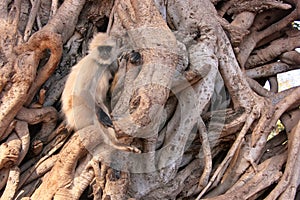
pixel 134 149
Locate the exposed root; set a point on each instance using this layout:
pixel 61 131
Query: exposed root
pixel 47 115
pixel 207 156
pixel 251 183
pixel 12 184
pixel 237 143
pixel 289 182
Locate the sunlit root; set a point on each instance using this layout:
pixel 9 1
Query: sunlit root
pixel 38 43
pixel 275 49
pixel 12 184
pixel 291 57
pixel 47 115
pixel 10 151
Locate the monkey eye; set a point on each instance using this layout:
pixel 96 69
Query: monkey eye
pixel 135 58
pixel 104 52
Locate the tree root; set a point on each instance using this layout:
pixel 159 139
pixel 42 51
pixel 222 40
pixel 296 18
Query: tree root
pixel 267 173
pixel 62 172
pixel 38 43
pixel 12 184
pixel 289 182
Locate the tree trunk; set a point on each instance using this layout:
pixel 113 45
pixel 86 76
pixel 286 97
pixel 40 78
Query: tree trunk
pixel 187 92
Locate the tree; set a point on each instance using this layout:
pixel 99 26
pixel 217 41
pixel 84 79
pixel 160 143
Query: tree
pixel 193 103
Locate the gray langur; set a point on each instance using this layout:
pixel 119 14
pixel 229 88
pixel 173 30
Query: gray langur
pixel 84 96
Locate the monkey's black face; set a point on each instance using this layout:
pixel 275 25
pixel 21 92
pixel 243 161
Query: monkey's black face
pixel 104 52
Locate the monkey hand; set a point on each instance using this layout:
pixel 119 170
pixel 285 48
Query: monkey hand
pixel 133 149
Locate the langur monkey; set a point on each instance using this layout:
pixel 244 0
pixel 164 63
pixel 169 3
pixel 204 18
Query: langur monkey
pixel 84 95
